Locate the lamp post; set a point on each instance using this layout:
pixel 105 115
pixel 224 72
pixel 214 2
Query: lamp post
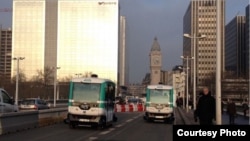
pixel 17 76
pixel 55 77
pixel 78 74
pixel 187 63
pixel 218 62
pixel 183 75
pixel 194 37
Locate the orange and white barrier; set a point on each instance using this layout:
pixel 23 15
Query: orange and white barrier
pixel 129 108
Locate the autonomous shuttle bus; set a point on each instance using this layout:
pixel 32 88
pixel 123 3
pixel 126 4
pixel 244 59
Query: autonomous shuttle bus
pixel 91 102
pixel 159 103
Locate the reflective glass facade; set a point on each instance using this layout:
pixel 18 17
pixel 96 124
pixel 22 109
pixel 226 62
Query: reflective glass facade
pixel 79 36
pixel 88 37
pixel 28 36
pixel 235 47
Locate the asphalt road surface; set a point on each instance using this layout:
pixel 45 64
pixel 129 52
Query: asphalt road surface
pixel 129 127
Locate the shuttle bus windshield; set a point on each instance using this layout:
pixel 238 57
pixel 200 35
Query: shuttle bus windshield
pixel 86 92
pixel 159 96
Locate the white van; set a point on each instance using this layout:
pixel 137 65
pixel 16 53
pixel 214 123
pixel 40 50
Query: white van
pixel 6 103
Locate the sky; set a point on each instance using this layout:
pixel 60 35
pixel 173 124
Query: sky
pixel 146 19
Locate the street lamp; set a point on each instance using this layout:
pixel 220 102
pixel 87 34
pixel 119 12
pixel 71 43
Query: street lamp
pixel 187 58
pixel 17 76
pixel 78 74
pixel 186 88
pixel 183 99
pixel 55 77
pixel 194 81
pixel 218 62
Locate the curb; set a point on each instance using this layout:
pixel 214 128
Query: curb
pixel 185 119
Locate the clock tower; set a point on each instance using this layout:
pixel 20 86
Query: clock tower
pixel 155 63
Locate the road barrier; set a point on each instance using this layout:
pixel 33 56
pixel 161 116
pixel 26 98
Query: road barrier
pixel 11 122
pixel 129 108
pixel 23 120
pixel 52 116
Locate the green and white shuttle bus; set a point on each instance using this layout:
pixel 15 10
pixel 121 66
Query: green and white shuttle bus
pixel 91 102
pixel 159 103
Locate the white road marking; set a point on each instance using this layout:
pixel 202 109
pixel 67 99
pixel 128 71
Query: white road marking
pixel 111 129
pixel 129 120
pixel 105 132
pixel 120 125
pixel 92 138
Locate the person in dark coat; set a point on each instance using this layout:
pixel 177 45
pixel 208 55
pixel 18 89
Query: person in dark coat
pixel 205 110
pixel 231 111
pixel 245 108
pixel 222 107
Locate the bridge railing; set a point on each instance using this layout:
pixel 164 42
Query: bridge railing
pixel 17 121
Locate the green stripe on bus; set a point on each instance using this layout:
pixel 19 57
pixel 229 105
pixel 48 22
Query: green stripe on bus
pixel 147 97
pixel 71 93
pixel 102 95
pixel 171 98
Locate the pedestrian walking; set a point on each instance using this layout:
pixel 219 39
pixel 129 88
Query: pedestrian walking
pixel 222 107
pixel 205 110
pixel 245 109
pixel 231 111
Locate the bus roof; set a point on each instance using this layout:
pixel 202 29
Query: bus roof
pixel 91 80
pixel 159 86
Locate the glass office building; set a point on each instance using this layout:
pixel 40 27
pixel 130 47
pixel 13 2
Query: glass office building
pixel 28 36
pixel 79 36
pixel 88 37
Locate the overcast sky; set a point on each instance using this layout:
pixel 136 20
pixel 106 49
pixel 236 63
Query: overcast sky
pixel 145 20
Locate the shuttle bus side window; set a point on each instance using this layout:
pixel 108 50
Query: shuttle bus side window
pixel 110 95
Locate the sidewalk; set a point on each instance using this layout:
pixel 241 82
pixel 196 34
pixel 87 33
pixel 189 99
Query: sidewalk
pixel 188 118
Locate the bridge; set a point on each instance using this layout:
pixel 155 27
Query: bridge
pixel 49 125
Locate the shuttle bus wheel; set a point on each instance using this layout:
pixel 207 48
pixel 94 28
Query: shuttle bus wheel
pixel 72 125
pixel 102 123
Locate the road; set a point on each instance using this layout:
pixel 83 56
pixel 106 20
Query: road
pixel 129 127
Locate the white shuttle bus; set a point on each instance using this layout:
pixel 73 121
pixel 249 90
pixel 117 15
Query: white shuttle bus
pixel 159 103
pixel 91 102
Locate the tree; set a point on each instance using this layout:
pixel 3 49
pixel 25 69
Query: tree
pixel 67 78
pixel 21 78
pixel 43 80
pixel 45 76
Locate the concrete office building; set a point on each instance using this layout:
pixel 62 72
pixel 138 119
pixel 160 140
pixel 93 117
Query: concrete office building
pixel 5 55
pixel 79 36
pixel 123 53
pixel 235 46
pixel 200 19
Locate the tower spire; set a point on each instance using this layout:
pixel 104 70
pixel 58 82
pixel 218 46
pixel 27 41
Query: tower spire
pixel 155 46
